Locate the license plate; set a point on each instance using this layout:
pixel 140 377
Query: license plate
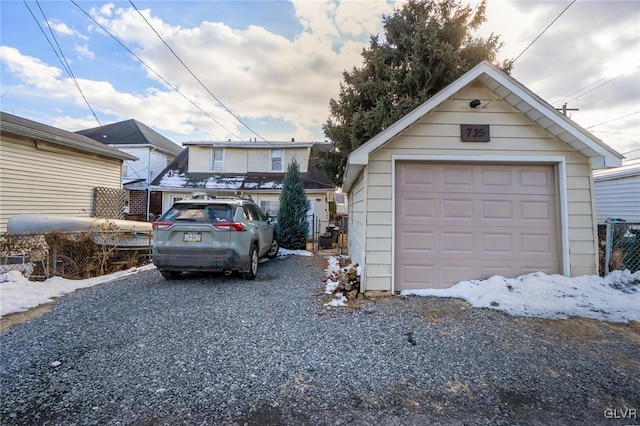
pixel 192 237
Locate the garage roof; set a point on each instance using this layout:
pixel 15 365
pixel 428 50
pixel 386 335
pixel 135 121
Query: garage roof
pixel 507 88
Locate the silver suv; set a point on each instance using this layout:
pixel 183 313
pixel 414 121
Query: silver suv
pixel 211 234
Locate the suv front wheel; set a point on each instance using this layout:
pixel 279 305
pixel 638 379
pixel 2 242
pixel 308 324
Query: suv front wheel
pixel 273 250
pixel 252 269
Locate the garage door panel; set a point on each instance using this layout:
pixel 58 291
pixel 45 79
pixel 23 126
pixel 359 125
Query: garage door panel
pixel 414 275
pixel 455 273
pixel 418 242
pixel 454 243
pixel 537 210
pixel 535 179
pixel 455 208
pixel 499 179
pixel 416 208
pixel 496 243
pixel 497 209
pixel 469 221
pixel 461 177
pixel 531 244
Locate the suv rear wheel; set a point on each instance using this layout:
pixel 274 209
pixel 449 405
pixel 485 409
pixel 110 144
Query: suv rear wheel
pixel 252 269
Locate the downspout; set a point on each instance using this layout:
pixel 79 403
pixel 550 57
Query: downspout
pixel 153 148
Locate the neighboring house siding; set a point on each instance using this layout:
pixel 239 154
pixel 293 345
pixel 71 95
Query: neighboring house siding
pixel 199 159
pixel 240 160
pixel 235 160
pixel 159 161
pixel 136 169
pixel 438 133
pixel 300 154
pixel 61 182
pixel 618 198
pixel 258 160
pixel 356 220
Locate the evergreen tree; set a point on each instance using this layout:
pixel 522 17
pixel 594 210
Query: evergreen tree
pixel 428 44
pixel 293 227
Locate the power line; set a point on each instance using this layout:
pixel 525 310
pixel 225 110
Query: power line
pixel 63 59
pixel 193 75
pixel 613 119
pixel 543 31
pixel 171 86
pixel 605 81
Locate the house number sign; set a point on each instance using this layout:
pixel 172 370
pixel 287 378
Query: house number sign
pixel 474 133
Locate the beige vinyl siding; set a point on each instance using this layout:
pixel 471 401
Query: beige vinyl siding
pixel 259 160
pixel 300 154
pixel 235 160
pixel 37 181
pixel 512 134
pixel 357 200
pixel 246 160
pixel 199 159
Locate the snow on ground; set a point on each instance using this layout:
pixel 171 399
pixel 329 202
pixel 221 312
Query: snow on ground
pixel 614 298
pixel 18 294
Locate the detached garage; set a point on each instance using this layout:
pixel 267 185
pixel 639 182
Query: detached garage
pixel 483 179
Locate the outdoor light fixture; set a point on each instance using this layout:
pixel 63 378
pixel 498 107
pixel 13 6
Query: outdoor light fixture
pixel 474 103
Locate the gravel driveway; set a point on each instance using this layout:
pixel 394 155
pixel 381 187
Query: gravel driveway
pixel 222 350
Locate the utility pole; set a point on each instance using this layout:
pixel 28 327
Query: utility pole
pixel 564 109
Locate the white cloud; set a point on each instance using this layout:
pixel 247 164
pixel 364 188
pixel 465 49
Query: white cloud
pixel 83 51
pixel 290 80
pixel 31 70
pixel 62 29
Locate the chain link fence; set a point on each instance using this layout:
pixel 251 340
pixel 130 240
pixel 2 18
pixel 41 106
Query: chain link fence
pixel 73 255
pixel 328 235
pixel 619 243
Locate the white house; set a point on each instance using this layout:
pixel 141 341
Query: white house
pixel 617 192
pixel 153 151
pixel 484 178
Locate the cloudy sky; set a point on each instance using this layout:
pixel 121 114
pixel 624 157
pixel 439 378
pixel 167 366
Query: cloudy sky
pixel 267 69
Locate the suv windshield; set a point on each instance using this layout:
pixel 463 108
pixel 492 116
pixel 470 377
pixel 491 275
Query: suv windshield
pixel 205 213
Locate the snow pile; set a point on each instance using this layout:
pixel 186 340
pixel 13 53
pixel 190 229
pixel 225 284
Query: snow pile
pixel 286 252
pixel 336 268
pixel 19 294
pixel 614 298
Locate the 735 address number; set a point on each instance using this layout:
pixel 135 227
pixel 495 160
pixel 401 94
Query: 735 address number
pixel 474 133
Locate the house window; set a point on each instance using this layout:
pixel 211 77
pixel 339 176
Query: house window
pixel 125 170
pixel 276 160
pixel 175 197
pixel 270 207
pixel 217 159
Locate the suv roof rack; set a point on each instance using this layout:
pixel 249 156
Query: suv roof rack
pixel 206 196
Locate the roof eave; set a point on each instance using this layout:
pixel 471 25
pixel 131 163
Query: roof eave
pixel 66 142
pixel 600 154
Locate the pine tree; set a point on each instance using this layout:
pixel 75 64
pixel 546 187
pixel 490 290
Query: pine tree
pixel 427 45
pixel 293 227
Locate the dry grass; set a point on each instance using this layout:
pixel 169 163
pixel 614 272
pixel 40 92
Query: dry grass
pixel 584 331
pixel 19 317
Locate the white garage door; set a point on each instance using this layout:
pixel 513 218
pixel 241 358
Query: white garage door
pixel 457 222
